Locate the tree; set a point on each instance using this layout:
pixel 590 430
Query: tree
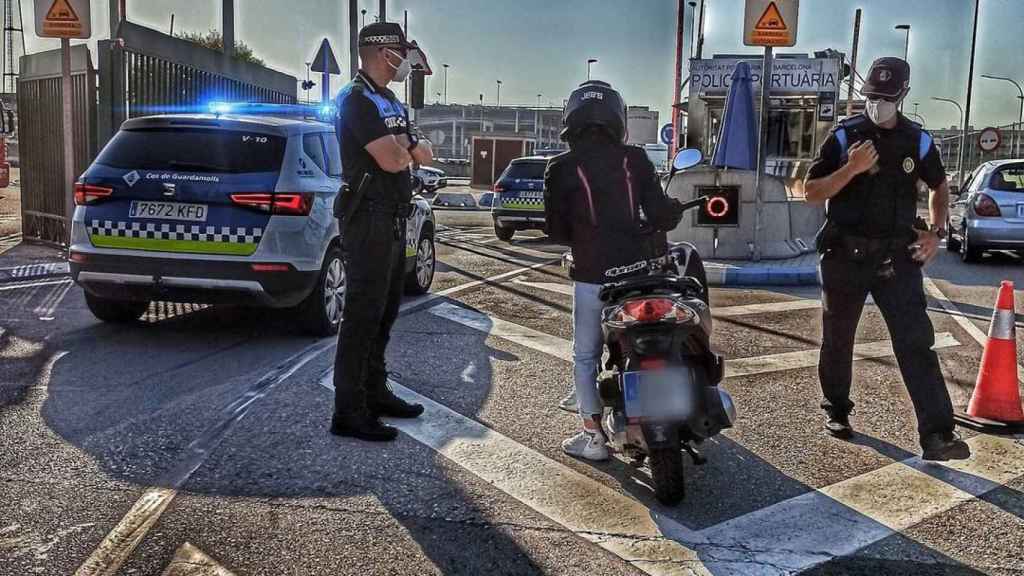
pixel 214 40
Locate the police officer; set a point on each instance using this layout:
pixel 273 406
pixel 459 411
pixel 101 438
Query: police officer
pixel 377 147
pixel 866 173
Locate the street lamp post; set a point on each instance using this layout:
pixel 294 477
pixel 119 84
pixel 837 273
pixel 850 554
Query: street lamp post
pixel 906 46
pixel 498 103
pixel 363 11
pixel 589 63
pixel 445 83
pixel 536 120
pixel 693 18
pixel 1020 116
pixel 960 157
pixel 970 89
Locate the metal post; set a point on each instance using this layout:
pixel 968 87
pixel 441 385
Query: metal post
pixel 382 10
pixel 970 89
pixel 853 63
pixel 906 48
pixel 353 36
pixel 114 7
pixel 693 21
pixel 700 32
pixel 499 94
pixel 171 33
pixel 960 158
pixel 68 130
pixel 445 84
pixel 228 17
pixel 677 87
pixel 762 148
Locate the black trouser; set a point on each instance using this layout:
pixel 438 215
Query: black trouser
pixel 845 286
pixel 373 246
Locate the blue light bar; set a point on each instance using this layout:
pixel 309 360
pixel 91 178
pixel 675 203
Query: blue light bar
pixel 324 112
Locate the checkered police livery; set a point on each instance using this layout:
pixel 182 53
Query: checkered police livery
pixel 180 232
pixel 521 202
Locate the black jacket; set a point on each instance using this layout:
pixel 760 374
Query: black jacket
pixel 606 203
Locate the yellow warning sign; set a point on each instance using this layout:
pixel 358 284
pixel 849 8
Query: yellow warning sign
pixel 771 19
pixel 62 18
pixel 771 22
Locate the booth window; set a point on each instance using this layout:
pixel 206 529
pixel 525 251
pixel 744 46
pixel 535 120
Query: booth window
pixel 791 129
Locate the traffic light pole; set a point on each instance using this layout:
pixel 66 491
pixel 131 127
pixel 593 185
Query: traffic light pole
pixel 762 149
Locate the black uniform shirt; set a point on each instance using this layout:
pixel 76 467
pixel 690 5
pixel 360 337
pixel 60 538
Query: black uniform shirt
pixel 367 112
pixel 883 204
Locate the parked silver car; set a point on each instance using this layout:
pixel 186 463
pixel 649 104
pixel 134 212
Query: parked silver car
pixel 988 212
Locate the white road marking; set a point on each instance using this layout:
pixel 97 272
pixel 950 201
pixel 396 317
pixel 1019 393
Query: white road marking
pixel 734 367
pixel 421 300
pixel 750 309
pixel 55 282
pixel 564 289
pixel 588 508
pixel 114 550
pixel 191 561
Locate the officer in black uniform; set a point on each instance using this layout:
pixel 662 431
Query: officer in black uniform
pixel 377 147
pixel 872 243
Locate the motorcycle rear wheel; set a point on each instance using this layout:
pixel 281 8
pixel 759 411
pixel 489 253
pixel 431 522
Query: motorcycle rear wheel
pixel 667 474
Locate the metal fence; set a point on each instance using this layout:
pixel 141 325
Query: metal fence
pixel 40 106
pixel 1011 146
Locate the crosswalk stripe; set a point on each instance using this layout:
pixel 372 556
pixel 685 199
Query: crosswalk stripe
pixel 766 308
pixel 191 561
pixel 588 508
pixel 564 289
pixel 734 367
pixel 115 549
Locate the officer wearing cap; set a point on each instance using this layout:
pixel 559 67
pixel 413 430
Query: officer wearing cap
pixel 866 174
pixel 377 146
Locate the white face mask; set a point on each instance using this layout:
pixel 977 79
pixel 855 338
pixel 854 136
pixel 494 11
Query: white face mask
pixel 880 111
pixel 402 70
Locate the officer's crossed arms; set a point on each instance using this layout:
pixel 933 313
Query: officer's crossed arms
pixel 392 153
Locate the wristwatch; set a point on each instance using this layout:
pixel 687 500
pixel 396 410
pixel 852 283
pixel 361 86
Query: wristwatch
pixel 938 230
pixel 414 141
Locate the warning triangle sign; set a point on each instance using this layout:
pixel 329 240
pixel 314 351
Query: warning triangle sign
pixel 61 11
pixel 771 19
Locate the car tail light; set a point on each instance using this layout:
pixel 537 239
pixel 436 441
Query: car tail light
pixel 498 188
pixel 271 268
pixel 87 193
pixel 984 205
pixel 78 257
pixel 646 310
pixel 282 203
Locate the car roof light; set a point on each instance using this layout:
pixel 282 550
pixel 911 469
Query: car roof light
pixel 325 112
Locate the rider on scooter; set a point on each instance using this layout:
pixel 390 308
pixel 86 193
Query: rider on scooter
pixel 602 198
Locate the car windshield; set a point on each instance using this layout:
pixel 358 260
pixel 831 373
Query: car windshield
pixel 525 171
pixel 193 150
pixel 1008 179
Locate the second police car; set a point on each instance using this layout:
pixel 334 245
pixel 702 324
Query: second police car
pixel 234 206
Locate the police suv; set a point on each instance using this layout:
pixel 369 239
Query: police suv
pixel 234 206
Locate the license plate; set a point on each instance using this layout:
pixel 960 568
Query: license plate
pixel 531 194
pixel 659 394
pixel 1020 210
pixel 169 211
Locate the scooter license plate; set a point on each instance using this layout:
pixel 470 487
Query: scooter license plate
pixel 666 394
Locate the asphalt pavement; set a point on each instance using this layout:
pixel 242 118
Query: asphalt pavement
pixel 195 441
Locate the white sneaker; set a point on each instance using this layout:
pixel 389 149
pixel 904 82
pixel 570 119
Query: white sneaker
pixel 569 403
pixel 586 445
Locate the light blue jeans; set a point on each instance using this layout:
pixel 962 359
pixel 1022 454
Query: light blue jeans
pixel 587 346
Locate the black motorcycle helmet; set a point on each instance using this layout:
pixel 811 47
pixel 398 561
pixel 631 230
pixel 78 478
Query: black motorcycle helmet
pixel 594 103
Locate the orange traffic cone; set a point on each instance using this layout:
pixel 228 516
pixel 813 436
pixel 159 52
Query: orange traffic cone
pixel 996 394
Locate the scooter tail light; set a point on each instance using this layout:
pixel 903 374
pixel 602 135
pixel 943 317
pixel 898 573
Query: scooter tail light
pixel 647 310
pixel 984 205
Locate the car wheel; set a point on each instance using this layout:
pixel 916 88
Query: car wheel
pixel 504 233
pixel 952 244
pixel 968 253
pixel 324 308
pixel 422 275
pixel 115 311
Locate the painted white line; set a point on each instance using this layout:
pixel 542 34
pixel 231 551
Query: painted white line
pixel 191 561
pixel 584 506
pixel 564 289
pixel 562 348
pixel 528 337
pixel 961 319
pixel 809 358
pixel 767 308
pixel 5 288
pixel 119 544
pixel 840 519
pixel 421 300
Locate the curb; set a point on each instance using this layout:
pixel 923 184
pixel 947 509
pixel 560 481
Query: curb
pixel 726 275
pixel 34 271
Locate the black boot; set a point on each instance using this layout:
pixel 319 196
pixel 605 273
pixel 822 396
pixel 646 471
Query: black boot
pixel 385 403
pixel 943 446
pixel 362 426
pixel 838 424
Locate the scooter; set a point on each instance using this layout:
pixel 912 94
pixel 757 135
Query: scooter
pixel 661 385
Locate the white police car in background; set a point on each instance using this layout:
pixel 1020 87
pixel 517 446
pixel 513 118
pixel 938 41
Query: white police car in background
pixel 433 179
pixel 229 207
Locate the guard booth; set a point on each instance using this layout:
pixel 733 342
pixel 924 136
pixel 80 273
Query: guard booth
pixel 804 101
pixel 492 154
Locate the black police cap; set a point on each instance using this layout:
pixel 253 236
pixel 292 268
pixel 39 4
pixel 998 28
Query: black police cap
pixel 383 34
pixel 888 77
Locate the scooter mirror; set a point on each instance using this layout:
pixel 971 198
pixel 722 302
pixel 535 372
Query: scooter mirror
pixel 687 158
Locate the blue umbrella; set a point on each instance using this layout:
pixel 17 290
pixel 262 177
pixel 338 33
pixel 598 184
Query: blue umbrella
pixel 737 142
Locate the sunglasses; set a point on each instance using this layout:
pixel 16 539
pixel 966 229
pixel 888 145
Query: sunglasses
pixel 883 98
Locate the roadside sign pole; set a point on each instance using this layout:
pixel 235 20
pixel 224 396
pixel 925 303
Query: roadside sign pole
pixel 69 145
pixel 762 148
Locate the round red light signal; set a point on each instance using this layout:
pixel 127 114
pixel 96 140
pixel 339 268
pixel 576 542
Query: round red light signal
pixel 717 207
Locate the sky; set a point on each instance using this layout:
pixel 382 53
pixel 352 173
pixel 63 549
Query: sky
pixel 541 46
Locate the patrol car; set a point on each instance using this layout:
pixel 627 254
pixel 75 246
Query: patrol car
pixel 234 206
pixel 519 197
